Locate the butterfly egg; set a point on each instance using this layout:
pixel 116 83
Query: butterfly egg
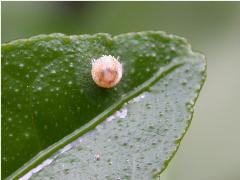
pixel 106 71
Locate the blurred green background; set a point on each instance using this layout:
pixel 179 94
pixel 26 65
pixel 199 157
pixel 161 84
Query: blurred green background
pixel 211 148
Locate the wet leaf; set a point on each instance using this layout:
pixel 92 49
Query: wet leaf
pixel 49 100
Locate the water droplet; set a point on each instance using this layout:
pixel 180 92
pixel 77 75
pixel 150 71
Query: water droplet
pixel 81 91
pixel 184 82
pixel 161 114
pixel 16 90
pixel 71 65
pixel 151 127
pixel 166 83
pixel 26 135
pixel 39 88
pixel 109 161
pixel 4 159
pixel 19 106
pixel 125 144
pixel 53 71
pixel 132 71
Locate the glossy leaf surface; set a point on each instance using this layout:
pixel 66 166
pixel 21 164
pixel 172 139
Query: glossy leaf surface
pixel 47 90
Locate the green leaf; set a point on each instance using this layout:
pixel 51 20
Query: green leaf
pixel 49 100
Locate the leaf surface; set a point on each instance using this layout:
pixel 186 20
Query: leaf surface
pixel 49 100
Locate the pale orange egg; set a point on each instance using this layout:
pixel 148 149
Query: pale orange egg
pixel 106 71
